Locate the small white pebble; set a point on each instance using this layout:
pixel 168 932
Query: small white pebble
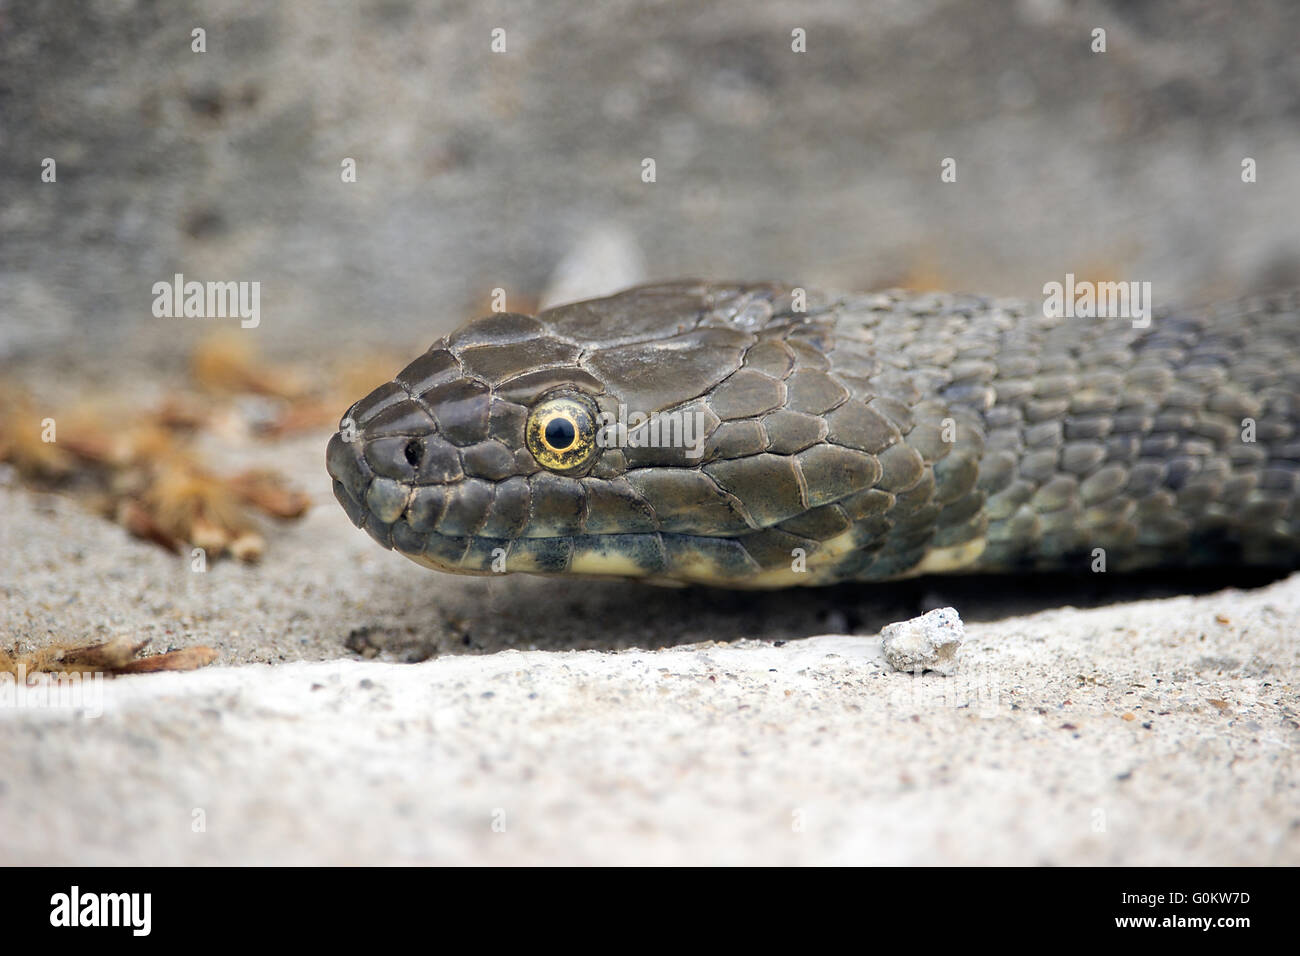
pixel 926 643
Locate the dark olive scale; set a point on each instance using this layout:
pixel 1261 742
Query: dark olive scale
pixel 558 506
pixel 788 432
pixel 737 440
pixel 746 393
pixel 862 436
pixel 490 459
pixel 490 361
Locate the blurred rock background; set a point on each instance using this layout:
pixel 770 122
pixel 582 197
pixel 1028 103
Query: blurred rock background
pixel 478 169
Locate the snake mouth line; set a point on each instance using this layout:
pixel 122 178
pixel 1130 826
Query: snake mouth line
pixel 618 555
pixel 615 555
pixel 654 557
pixel 663 558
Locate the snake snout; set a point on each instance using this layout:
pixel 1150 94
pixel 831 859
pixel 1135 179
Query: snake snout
pixel 345 461
pixel 396 472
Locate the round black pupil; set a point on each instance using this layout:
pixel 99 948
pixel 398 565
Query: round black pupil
pixel 414 452
pixel 560 433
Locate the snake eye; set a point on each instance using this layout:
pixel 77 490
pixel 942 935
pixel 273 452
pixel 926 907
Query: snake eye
pixel 561 432
pixel 414 452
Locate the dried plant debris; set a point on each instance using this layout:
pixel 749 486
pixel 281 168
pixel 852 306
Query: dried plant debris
pixel 143 471
pixel 227 363
pixel 114 657
pixel 23 447
pixel 354 376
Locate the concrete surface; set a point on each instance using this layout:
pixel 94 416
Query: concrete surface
pixel 1143 732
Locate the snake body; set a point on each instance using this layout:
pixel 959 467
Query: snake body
pixel 840 437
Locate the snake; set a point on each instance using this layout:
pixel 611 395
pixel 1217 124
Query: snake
pixel 767 435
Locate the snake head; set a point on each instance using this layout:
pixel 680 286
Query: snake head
pixel 680 433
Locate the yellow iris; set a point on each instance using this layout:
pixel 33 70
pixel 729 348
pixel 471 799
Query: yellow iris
pixel 561 432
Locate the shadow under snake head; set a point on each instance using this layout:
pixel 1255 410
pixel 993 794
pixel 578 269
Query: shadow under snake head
pixel 757 435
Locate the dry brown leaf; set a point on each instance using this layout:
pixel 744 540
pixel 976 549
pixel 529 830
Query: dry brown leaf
pixel 137 519
pixel 267 491
pixel 106 656
pixel 359 375
pixel 21 444
pixel 142 469
pixel 248 547
pixel 194 506
pixel 226 362
pixel 182 412
pixel 184 659
pixel 113 657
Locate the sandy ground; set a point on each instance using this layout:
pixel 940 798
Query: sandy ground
pixel 365 710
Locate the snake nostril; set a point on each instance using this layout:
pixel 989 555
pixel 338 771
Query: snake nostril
pixel 414 452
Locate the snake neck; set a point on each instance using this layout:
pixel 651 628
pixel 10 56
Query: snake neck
pixel 1092 444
